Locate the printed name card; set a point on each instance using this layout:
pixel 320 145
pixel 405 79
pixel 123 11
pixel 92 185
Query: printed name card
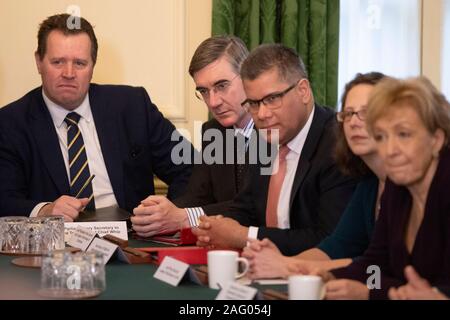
pixel 104 247
pixel 236 291
pixel 171 271
pixel 81 238
pixel 115 228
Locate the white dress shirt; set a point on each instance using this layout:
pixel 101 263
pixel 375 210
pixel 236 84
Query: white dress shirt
pixel 101 185
pixel 295 149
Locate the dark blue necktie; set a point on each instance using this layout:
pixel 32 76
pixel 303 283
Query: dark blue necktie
pixel 80 177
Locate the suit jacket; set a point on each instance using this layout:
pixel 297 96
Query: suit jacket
pixel 430 254
pixel 134 136
pixel 319 194
pixel 211 186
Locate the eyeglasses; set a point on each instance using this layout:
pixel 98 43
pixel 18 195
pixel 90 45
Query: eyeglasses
pixel 272 101
pixel 219 88
pixel 345 116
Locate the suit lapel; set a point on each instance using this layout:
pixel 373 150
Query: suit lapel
pixel 312 139
pixel 108 136
pixel 48 144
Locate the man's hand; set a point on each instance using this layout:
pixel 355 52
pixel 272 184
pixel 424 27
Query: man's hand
pixel 157 214
pixel 219 232
pixel 266 260
pixel 68 207
pixel 417 288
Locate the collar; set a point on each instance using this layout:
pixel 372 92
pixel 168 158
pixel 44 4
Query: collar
pixel 59 113
pixel 298 142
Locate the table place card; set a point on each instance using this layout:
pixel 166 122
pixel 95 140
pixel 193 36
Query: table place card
pixel 171 271
pixel 236 291
pixel 104 247
pixel 81 238
pixel 115 228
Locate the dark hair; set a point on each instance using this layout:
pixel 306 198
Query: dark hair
pixel 214 48
pixel 289 65
pixel 63 23
pixel 348 162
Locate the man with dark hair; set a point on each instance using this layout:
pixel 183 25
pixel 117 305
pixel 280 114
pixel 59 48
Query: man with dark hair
pixel 215 68
pixel 302 200
pixel 59 136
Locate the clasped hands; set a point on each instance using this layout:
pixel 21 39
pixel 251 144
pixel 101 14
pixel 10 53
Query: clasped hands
pixel 266 261
pixel 157 214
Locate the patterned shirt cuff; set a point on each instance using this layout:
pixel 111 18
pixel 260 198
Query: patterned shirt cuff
pixel 193 215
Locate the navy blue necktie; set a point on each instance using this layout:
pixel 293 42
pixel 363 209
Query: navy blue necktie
pixel 80 177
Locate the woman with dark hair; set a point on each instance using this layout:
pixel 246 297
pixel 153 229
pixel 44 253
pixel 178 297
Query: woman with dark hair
pixel 356 154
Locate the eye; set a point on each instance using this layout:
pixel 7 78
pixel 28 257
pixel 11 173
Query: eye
pixel 203 91
pixel 404 134
pixel 80 63
pixel 56 62
pixel 378 137
pixel 221 86
pixel 253 104
pixel 272 99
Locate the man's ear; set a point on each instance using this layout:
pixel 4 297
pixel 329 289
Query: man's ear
pixel 304 88
pixel 38 60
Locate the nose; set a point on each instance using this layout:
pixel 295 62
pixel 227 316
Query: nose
pixel 214 100
pixel 263 112
pixel 68 71
pixel 391 147
pixel 354 121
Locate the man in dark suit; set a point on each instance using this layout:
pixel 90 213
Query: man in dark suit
pixel 58 137
pixel 215 68
pixel 301 202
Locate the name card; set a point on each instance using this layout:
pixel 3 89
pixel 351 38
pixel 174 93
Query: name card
pixel 171 271
pixel 104 247
pixel 115 228
pixel 81 238
pixel 236 291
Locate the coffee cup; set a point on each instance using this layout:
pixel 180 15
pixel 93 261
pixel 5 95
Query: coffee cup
pixel 223 266
pixel 306 287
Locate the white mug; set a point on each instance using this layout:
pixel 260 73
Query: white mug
pixel 223 267
pixel 305 287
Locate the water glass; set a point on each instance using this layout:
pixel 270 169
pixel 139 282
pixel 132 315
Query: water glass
pixel 12 238
pixel 66 275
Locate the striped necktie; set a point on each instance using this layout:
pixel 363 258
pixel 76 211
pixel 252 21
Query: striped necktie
pixel 80 177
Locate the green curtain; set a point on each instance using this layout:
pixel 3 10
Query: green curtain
pixel 309 26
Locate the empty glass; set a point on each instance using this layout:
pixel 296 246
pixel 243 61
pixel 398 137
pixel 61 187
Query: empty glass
pixel 55 235
pixel 34 236
pixel 72 276
pixel 12 239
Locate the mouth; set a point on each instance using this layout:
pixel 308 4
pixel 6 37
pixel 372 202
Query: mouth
pixel 222 114
pixel 67 86
pixel 358 138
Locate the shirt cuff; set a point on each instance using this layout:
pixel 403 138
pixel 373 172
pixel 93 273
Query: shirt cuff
pixel 38 208
pixel 253 232
pixel 193 215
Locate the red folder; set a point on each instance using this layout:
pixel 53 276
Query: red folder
pixel 181 237
pixel 189 254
